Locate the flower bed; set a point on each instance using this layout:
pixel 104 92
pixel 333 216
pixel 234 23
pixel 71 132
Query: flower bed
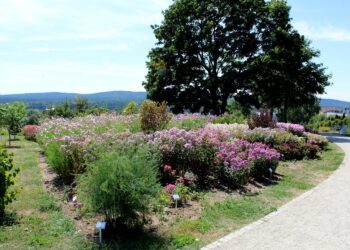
pixel 70 144
pixel 101 154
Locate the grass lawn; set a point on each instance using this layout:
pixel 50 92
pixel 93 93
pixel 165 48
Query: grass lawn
pixel 221 218
pixel 35 220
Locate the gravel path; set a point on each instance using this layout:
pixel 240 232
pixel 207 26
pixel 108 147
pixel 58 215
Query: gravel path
pixel 319 219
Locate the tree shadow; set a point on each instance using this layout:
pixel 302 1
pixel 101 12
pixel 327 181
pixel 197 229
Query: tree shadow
pixel 133 238
pixel 9 219
pixel 13 147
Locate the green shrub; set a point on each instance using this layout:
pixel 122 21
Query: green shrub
pixel 58 160
pixel 121 185
pixel 7 179
pixel 131 108
pixel 154 116
pixel 229 119
pixel 188 124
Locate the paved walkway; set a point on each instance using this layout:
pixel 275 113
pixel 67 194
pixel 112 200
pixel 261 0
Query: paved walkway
pixel 319 219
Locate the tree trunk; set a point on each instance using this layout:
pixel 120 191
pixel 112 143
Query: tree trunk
pixel 9 138
pixel 224 104
pixel 285 110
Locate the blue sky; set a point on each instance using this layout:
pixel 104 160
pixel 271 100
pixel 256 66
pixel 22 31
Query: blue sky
pixel 93 46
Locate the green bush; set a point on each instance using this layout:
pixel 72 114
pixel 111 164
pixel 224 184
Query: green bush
pixel 154 117
pixel 7 179
pixel 324 129
pixel 131 108
pixel 188 124
pixel 121 185
pixel 58 161
pixel 229 119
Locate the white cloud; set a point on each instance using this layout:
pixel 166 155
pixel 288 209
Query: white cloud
pixel 328 33
pixel 41 30
pixel 103 47
pixel 69 76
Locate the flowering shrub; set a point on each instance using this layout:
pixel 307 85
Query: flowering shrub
pixel 270 137
pixel 310 150
pixel 240 159
pixel 264 135
pixel 234 130
pixel 315 139
pixel 30 132
pixel 292 128
pixel 188 151
pixel 182 190
pixel 87 126
pixel 297 151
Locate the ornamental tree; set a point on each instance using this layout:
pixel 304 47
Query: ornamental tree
pixel 13 116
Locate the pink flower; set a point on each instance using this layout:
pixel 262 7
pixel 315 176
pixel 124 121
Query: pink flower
pixel 170 187
pixel 180 180
pixel 167 168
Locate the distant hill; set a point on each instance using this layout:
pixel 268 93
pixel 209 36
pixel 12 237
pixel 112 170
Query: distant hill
pixel 331 103
pixel 111 100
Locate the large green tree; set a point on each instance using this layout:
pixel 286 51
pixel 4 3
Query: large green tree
pixel 202 54
pixel 285 76
pixel 211 50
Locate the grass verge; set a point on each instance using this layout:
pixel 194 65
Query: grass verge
pixel 35 220
pixel 220 218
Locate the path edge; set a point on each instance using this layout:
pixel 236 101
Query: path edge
pixel 268 217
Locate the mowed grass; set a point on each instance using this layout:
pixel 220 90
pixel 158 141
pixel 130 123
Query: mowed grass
pixel 35 220
pixel 220 218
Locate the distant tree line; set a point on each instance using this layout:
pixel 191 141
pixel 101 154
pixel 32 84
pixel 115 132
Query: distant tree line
pixel 69 109
pixel 211 51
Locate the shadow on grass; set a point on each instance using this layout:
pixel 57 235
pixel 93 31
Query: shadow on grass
pixel 138 238
pixel 260 183
pixel 15 139
pixel 9 219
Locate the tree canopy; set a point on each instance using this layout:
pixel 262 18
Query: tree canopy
pixel 13 116
pixel 209 51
